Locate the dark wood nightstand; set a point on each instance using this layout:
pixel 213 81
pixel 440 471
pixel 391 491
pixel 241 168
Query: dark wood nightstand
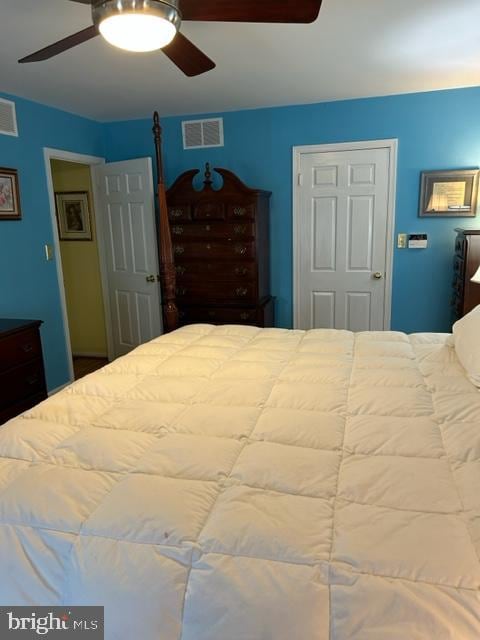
pixel 466 294
pixel 22 374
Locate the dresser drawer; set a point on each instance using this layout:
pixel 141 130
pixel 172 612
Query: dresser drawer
pixel 214 250
pixel 21 382
pixel 218 315
pixel 179 213
pixel 199 291
pixel 18 348
pixel 223 230
pixel 218 271
pixel 209 211
pixel 241 211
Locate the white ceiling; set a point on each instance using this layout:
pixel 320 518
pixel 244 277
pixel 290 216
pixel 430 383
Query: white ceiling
pixel 356 48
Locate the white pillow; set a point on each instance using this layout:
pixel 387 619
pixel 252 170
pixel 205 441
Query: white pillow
pixel 466 337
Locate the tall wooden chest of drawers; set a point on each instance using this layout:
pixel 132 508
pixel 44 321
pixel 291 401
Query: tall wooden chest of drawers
pixel 22 375
pixel 466 294
pixel 221 250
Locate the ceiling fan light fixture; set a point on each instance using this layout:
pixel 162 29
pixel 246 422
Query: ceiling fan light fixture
pixel 137 25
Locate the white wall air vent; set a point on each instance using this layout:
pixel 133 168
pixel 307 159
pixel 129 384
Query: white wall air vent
pixel 198 134
pixel 8 118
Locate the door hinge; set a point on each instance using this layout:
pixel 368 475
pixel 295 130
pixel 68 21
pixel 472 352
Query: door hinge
pixel 300 179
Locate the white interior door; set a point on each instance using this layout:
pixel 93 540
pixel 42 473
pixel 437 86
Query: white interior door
pixel 126 215
pixel 343 239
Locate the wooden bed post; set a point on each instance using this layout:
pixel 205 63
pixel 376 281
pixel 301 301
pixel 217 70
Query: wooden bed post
pixel 167 265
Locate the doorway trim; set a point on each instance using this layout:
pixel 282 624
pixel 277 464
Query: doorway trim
pixel 390 144
pixel 69 156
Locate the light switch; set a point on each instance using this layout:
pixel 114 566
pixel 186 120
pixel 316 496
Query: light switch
pixel 402 241
pixel 49 253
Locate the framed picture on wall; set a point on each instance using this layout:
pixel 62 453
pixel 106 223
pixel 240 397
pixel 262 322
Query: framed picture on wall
pixel 73 215
pixel 447 194
pixel 9 195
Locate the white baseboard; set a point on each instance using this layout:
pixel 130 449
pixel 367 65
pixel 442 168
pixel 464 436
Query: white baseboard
pixel 89 354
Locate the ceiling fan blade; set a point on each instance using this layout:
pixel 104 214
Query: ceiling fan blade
pixel 187 56
pixel 62 45
pixel 289 11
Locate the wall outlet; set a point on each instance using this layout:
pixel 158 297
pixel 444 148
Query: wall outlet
pixel 402 240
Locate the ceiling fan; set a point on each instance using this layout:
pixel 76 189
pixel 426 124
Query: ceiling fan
pixel 148 25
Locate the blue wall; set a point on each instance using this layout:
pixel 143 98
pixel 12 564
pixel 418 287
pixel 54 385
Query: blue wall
pixel 28 283
pixel 436 130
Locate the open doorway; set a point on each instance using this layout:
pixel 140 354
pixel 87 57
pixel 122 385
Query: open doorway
pixel 119 255
pixel 79 271
pixel 73 173
pixel 76 225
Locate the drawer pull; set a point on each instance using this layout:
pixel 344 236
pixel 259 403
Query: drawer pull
pixel 180 270
pixel 181 291
pixel 178 250
pixel 212 314
pixel 28 347
pixel 209 246
pixel 240 249
pixel 239 212
pixel 240 229
pixel 241 292
pixel 208 227
pixel 176 213
pixel 241 271
pixel 177 231
pixel 244 316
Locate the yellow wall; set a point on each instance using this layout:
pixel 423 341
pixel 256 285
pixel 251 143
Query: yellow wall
pixel 81 270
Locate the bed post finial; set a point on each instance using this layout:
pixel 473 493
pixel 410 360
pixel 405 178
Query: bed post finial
pixel 167 265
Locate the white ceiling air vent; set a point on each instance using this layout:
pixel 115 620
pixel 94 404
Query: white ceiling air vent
pixel 198 134
pixel 8 118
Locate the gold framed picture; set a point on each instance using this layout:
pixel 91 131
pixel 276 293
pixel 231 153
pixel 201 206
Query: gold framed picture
pixel 449 194
pixel 9 195
pixel 73 215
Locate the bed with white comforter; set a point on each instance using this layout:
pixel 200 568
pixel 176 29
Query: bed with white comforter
pixel 232 483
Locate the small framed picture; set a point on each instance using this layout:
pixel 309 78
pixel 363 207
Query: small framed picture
pixel 73 215
pixel 449 194
pixel 9 195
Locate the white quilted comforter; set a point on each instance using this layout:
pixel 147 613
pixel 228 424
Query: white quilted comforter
pixel 231 483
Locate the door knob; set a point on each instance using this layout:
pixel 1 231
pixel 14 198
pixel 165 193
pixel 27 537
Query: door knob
pixel 378 275
pixel 150 278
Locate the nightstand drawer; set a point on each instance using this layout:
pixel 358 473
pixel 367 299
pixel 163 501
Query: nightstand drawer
pixel 459 267
pixel 21 382
pixel 460 245
pixel 20 347
pixel 19 407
